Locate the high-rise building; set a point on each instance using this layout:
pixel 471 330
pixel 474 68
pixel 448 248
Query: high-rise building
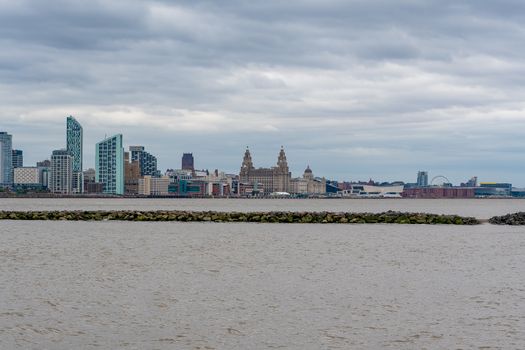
pixel 274 179
pixel 188 162
pixel 44 164
pixel 17 158
pixel 131 175
pixel 45 172
pixel 74 142
pixel 422 178
pixel 147 161
pixel 61 172
pixel 6 162
pixel 109 164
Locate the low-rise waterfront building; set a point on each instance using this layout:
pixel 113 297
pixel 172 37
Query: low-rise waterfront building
pixel 308 184
pixel 439 192
pixel 493 189
pixel 360 190
pixel 153 186
pixel 27 176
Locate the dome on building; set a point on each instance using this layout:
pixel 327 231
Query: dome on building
pixel 308 170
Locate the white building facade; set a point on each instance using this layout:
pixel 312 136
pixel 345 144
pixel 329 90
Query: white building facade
pixel 61 180
pixel 27 176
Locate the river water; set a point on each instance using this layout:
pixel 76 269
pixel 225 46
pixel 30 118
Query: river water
pixel 480 208
pixel 169 285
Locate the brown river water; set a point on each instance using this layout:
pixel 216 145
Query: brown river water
pixel 169 285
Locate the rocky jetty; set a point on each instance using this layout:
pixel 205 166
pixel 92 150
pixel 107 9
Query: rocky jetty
pixel 509 219
pixel 389 217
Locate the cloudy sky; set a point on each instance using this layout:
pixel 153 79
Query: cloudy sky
pixel 357 89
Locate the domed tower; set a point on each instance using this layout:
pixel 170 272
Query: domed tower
pixel 281 174
pixel 247 164
pixel 282 164
pixel 308 175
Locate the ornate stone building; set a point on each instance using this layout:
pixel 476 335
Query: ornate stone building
pixel 268 180
pixel 308 184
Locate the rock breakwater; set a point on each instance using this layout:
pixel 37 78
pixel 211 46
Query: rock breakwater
pixel 509 219
pixel 389 217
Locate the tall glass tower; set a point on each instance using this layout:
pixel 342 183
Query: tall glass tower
pixel 422 178
pixel 6 162
pixel 74 142
pixel 109 164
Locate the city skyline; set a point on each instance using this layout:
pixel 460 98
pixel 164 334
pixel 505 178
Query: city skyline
pixel 296 169
pixel 356 89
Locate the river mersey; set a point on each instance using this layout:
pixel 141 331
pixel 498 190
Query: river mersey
pixel 168 285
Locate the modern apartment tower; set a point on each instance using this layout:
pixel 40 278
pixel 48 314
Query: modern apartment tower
pixel 74 142
pixel 17 158
pixel 147 161
pixel 188 162
pixel 61 180
pixel 109 164
pixel 6 162
pixel 422 178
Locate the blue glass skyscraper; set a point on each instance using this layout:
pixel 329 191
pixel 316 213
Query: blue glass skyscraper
pixel 6 161
pixel 109 164
pixel 74 143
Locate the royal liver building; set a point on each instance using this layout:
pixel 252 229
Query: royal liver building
pixel 274 179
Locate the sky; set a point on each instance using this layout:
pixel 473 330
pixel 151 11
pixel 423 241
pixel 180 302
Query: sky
pixel 356 89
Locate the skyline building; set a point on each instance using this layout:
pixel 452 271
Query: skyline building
pixel 109 164
pixel 274 179
pixel 74 145
pixel 27 176
pixel 61 172
pixel 422 178
pixel 131 175
pixel 44 163
pixel 6 155
pixel 187 162
pixel 17 158
pixel 308 184
pixel 147 161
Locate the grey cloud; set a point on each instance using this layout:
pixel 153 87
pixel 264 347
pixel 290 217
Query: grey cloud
pixel 352 86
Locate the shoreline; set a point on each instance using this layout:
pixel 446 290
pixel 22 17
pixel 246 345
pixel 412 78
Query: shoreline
pixel 109 196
